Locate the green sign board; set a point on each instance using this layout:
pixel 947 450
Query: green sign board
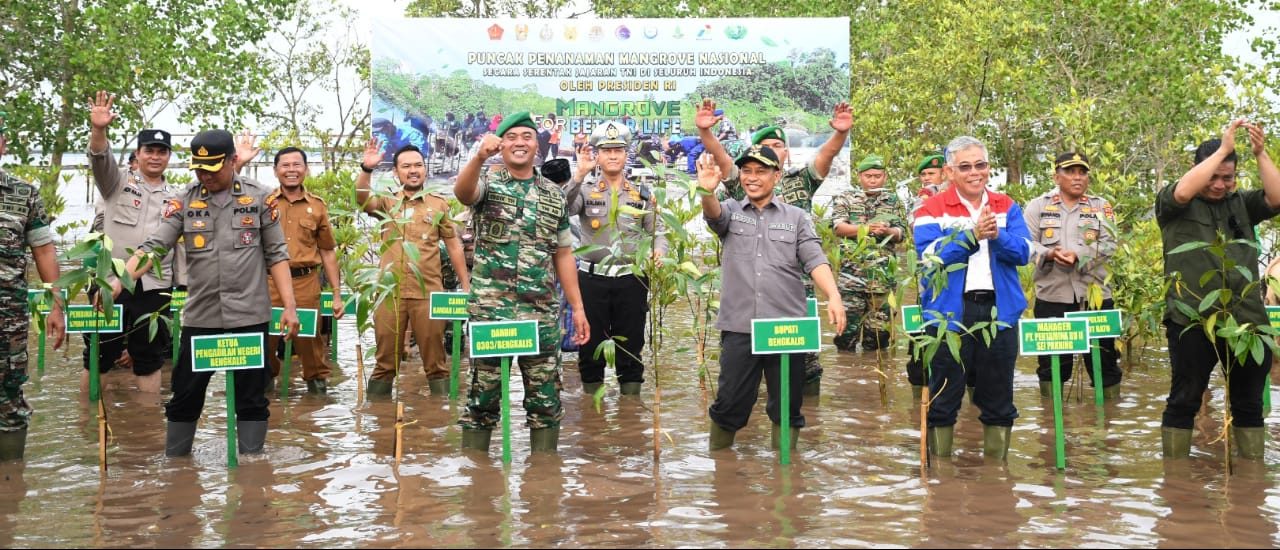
pixel 177 300
pixel 227 352
pixel 811 307
pixel 307 319
pixel 912 320
pixel 326 304
pixel 774 336
pixel 503 338
pixel 34 302
pixel 1053 336
pixel 83 319
pixel 1273 315
pixel 449 305
pixel 1103 323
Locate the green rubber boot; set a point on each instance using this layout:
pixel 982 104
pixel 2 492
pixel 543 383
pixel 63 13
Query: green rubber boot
pixel 378 388
pixel 775 437
pixel 720 437
pixel 1250 442
pixel 476 439
pixel 939 439
pixel 590 388
pixel 13 445
pixel 544 440
pixel 630 388
pixel 1176 442
pixel 995 442
pixel 916 392
pixel 1046 389
pixel 178 438
pixel 812 388
pixel 439 386
pixel 1111 393
pixel 318 386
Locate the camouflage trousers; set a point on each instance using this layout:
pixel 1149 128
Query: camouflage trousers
pixel 541 375
pixel 812 368
pixel 867 320
pixel 15 413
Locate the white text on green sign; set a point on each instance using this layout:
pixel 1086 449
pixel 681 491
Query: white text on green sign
pixel 1053 336
pixel 912 320
pixel 227 352
pixel 449 305
pixel 326 304
pixel 504 338
pixel 307 320
pixel 1103 323
pixel 40 300
pixel 797 335
pixel 177 300
pixel 85 319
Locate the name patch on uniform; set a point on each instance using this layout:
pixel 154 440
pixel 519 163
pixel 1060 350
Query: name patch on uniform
pixel 198 214
pixel 783 226
pixel 246 200
pixel 504 199
pixel 742 218
pixel 133 190
pixel 245 210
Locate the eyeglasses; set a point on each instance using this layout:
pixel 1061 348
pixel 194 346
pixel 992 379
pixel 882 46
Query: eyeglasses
pixel 980 166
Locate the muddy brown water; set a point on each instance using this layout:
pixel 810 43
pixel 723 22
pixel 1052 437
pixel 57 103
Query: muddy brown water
pixel 329 478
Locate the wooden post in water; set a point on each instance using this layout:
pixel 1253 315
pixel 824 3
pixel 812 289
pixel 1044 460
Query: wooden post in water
pixel 399 432
pixel 102 437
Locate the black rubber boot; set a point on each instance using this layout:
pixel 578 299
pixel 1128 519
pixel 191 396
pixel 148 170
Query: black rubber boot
pixel 251 436
pixel 630 388
pixel 178 438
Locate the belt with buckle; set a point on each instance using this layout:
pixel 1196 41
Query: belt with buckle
pixel 605 270
pixel 980 296
pixel 301 271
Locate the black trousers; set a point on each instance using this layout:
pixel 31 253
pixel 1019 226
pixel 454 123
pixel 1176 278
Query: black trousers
pixel 189 388
pixel 148 354
pixel 738 385
pixel 1111 372
pixel 990 365
pixel 1193 358
pixel 615 306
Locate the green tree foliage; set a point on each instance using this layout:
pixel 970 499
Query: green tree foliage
pixel 496 8
pixel 200 57
pixel 457 92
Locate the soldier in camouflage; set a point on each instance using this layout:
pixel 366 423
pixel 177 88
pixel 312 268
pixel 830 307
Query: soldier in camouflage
pixel 797 187
pixel 866 275
pixel 523 245
pixel 23 224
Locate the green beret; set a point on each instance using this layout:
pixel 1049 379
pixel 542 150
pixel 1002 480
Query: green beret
pixel 518 119
pixel 768 132
pixel 871 162
pixel 932 161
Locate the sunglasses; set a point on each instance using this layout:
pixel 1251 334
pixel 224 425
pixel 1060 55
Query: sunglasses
pixel 965 168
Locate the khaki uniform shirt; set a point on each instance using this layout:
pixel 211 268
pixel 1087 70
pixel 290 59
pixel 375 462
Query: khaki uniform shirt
pixel 231 240
pixel 422 221
pixel 1088 229
pixel 592 203
pixel 131 212
pixel 305 223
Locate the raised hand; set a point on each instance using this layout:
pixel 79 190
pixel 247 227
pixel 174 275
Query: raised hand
pixel 708 173
pixel 372 153
pixel 490 145
pixel 246 149
pixel 100 115
pixel 706 117
pixel 1229 135
pixel 842 118
pixel 1257 139
pixel 586 160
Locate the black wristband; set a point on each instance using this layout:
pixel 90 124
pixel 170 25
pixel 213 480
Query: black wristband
pixel 366 169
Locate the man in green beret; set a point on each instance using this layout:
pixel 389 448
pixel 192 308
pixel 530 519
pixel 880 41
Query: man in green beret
pixel 796 187
pixel 523 247
pixel 868 218
pixel 930 173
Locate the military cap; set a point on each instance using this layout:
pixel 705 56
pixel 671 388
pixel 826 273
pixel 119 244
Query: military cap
pixel 521 118
pixel 210 148
pixel 871 162
pixel 155 137
pixel 1067 160
pixel 768 132
pixel 935 160
pixel 611 134
pixel 760 154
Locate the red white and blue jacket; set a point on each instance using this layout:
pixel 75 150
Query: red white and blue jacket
pixel 944 227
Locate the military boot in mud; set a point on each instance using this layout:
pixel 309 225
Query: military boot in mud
pixel 251 436
pixel 629 388
pixel 476 439
pixel 939 439
pixel 439 386
pixel 13 445
pixel 995 441
pixel 1176 442
pixel 1111 393
pixel 916 393
pixel 1250 442
pixel 590 388
pixel 178 438
pixel 775 437
pixel 720 437
pixel 378 388
pixel 544 440
pixel 1046 389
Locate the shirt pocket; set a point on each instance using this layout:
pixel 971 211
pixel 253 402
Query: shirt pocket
pixel 1050 231
pixel 246 230
pixel 197 235
pixel 307 236
pixel 497 222
pixel 742 238
pixel 128 209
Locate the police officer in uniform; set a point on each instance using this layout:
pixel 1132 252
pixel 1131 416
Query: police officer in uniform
pixel 232 237
pixel 1072 239
pixel 132 203
pixel 523 246
pixel 614 295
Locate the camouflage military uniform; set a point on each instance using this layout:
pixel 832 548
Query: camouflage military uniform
pixel 23 224
pixel 519 225
pixel 865 281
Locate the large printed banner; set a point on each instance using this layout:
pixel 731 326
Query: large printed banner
pixel 443 83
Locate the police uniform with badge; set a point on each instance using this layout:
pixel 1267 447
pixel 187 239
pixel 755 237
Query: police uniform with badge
pixel 1084 228
pixel 231 236
pixel 614 296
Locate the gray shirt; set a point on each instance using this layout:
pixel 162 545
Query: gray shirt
pixel 131 211
pixel 592 201
pixel 765 251
pixel 1086 229
pixel 231 239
